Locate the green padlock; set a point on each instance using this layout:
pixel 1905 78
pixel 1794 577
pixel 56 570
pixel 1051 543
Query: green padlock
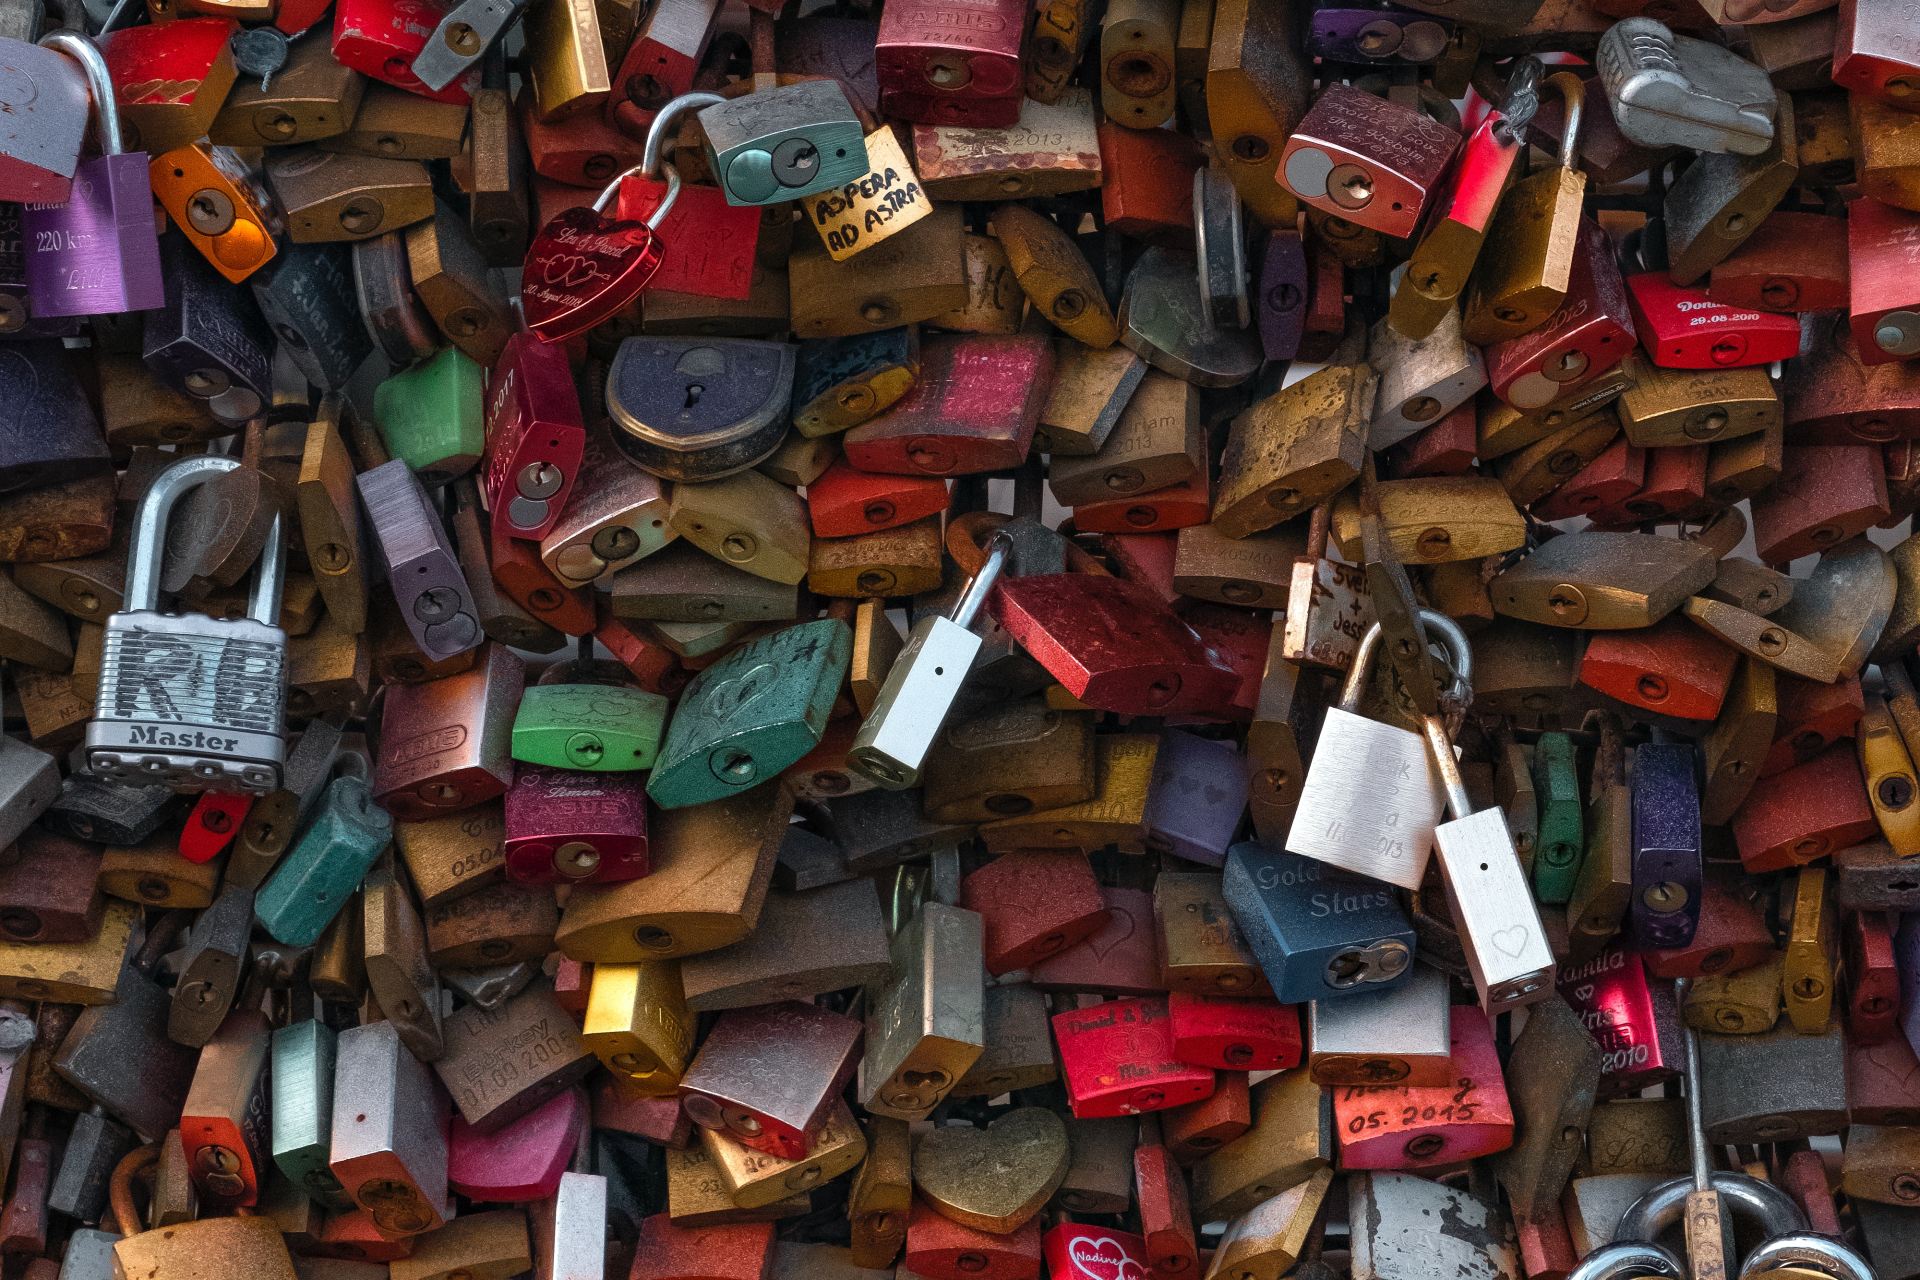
pixel 1556 853
pixel 753 713
pixel 302 1101
pixel 321 871
pixel 594 728
pixel 433 416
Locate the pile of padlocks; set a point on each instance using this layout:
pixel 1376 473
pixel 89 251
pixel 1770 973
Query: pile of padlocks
pixel 959 639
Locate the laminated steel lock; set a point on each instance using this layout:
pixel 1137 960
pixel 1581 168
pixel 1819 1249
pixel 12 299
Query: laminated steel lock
pixel 96 252
pixel 203 697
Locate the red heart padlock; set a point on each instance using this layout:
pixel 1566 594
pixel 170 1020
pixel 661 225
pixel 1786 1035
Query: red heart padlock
pixel 585 267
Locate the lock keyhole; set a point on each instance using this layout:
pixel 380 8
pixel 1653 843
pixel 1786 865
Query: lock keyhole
pixel 694 392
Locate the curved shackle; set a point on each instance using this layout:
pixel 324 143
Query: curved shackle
pixel 150 534
pixel 1752 1200
pixel 1627 1258
pixel 967 607
pixel 1809 1250
pixel 106 110
pixel 1574 95
pixel 1452 639
pixel 651 154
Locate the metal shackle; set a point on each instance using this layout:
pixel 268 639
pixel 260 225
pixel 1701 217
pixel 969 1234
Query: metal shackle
pixel 1452 639
pixel 106 109
pixel 1624 1259
pixel 652 154
pixel 1751 1200
pixel 150 532
pixel 1806 1249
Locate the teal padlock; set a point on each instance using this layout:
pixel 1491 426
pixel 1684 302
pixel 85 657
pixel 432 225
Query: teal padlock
pixel 751 714
pixel 1557 851
pixel 302 1074
pixel 433 416
pixel 595 728
pixel 324 867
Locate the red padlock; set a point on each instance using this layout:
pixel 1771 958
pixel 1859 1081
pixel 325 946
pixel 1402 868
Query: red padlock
pixel 1201 1128
pixel 535 438
pixel 1589 333
pixel 569 827
pixel 1076 1251
pixel 1175 507
pixel 522 1161
pixel 1119 959
pixel 1792 262
pixel 1112 643
pixel 1682 328
pixel 1732 935
pixel 952 61
pixel 1883 1082
pixel 1671 668
pixel 1117 1059
pixel 939 1248
pixel 381 38
pixel 714 242
pixel 1883 281
pixel 845 501
pixel 974 408
pixel 1604 484
pixel 1805 813
pixel 1419 1126
pixel 523 578
pixel 1873 979
pixel 710 1251
pixel 660 64
pixel 1033 905
pixel 1673 479
pixel 1166 1214
pixel 1449 447
pixel 1635 1022
pixel 1826 493
pixel 1234 1035
pixel 216 819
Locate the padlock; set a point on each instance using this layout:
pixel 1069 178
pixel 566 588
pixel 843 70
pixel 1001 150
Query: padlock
pixel 219 205
pixel 450 278
pixel 566 826
pixel 1873 54
pixel 1394 1235
pixel 585 267
pixel 804 944
pixel 1872 978
pixel 589 722
pixel 1588 333
pixel 222 1123
pixel 1346 934
pixel 1782 826
pixel 388 1147
pixel 425 768
pixel 974 407
pixel 841 382
pixel 1118 1059
pixel 784 143
pixel 923 683
pixel 1331 163
pixel 1683 328
pixel 312 97
pixel 505 1063
pixel 933 68
pixel 1670 668
pixel 328 196
pixel 1388 840
pixel 1444 259
pixel 105 220
pixel 432 417
pixel 1879 311
pixel 1811 959
pixel 1469 1115
pixel 1196 799
pixel 1790 262
pixel 703 892
pixel 302 1060
pixel 1394 1036
pixel 229 735
pixel 1289 1142
pixel 1669 90
pixel 1635 1021
pixel 1162 318
pixel 733 393
pixel 792 1118
pixel 1053 149
pixel 1420 382
pixel 1741 1102
pixel 1256 86
pixel 50 890
pixel 432 592
pixel 616 514
pixel 523 1160
pixel 1666 838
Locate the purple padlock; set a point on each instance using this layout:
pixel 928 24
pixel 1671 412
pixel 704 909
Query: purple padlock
pixel 1667 868
pixel 1361 33
pixel 99 252
pixel 1197 798
pixel 17 319
pixel 1280 295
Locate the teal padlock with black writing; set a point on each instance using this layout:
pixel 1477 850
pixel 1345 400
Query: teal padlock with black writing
pixel 433 416
pixel 324 867
pixel 753 713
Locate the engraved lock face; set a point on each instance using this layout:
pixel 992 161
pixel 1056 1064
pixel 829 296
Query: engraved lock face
pixel 566 826
pixel 1314 931
pixel 940 64
pixel 1118 1059
pixel 1372 162
pixel 583 269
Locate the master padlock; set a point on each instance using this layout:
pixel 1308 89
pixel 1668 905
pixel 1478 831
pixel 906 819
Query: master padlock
pixel 98 253
pixel 924 682
pixel 1372 796
pixel 193 702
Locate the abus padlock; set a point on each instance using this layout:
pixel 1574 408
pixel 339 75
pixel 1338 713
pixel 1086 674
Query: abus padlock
pixel 923 684
pixel 1372 795
pixel 98 252
pixel 693 409
pixel 568 826
pixel 782 1115
pixel 1675 91
pixel 1373 162
pixel 190 701
pixel 946 62
pixel 784 143
pixel 1316 933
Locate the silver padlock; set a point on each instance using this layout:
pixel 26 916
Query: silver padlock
pixel 1493 907
pixel 1422 380
pixel 923 682
pixel 1628 1260
pixel 1804 1251
pixel 1675 91
pixel 191 702
pixel 1372 796
pixel 1407 1227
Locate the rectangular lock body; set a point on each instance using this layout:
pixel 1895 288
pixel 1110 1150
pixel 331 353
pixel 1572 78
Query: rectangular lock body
pixel 302 1072
pixel 389 1148
pixel 1095 1042
pixel 1388 834
pixel 1395 1036
pixel 726 1090
pixel 224 1122
pixel 1316 932
pixel 927 1024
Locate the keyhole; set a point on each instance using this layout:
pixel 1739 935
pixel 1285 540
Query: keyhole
pixel 694 392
